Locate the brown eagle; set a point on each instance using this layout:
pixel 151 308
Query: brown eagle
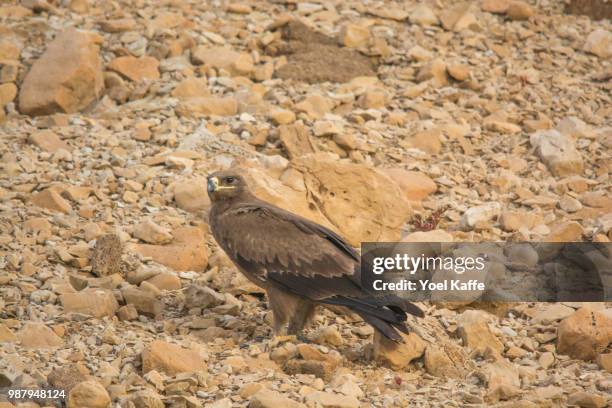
pixel 299 263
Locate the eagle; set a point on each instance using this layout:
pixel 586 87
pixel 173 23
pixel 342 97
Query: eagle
pixel 298 262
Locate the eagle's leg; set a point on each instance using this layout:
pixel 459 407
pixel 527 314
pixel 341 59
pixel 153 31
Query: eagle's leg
pixel 291 312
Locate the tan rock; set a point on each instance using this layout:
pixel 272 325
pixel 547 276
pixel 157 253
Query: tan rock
pixel 296 140
pixel 266 398
pixel 186 253
pixel 495 6
pixel 191 88
pixel 515 220
pixel 460 72
pixel 165 281
pixel 145 302
pixel 239 8
pixel 398 355
pixel 568 231
pixel 352 35
pixel 38 336
pixel 415 184
pixel 436 235
pixel 206 106
pixel 328 335
pixel 191 195
pixel 502 379
pixel 604 360
pixel 48 141
pixel 170 359
pixel 136 69
pixel 445 360
pixel 315 106
pixel 127 312
pixel 89 394
pixel 373 99
pixel 457 17
pixel 118 25
pixel 423 15
pixel 585 399
pixel 282 116
pixel 66 78
pixel 599 43
pixel 584 334
pixel 427 141
pixel 475 332
pixel 478 215
pixel 93 302
pixel 519 10
pixel 6 335
pixel 330 400
pixel 7 93
pixel 236 63
pixel 150 232
pixel 66 377
pixel 558 152
pixel 343 190
pixel 52 200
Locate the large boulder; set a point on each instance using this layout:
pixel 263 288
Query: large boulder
pixel 66 78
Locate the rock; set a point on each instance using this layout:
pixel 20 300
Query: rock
pixel 569 231
pixel 327 128
pixel 437 235
pixel 328 335
pixel 419 53
pixel 313 362
pixel 191 88
pixel 282 116
pixel 127 313
pixel 427 141
pixel 458 17
pixel 604 361
pixel 6 335
pixel 206 106
pixel 344 189
pixel 66 78
pixel 144 301
pixel 48 141
pixel 587 400
pixel 106 255
pixel 423 15
pixel 147 399
pixel 7 94
pixel 88 394
pixel 66 377
pixel 515 220
pixel 502 379
pixel 398 355
pixel 519 10
pixel 170 359
pixel 475 332
pixel 202 297
pixel 38 336
pixel 446 360
pixel 575 128
pixel 502 127
pixel 599 43
pixel 152 233
pixel 372 99
pixel 118 25
pixel 235 63
pixel 584 334
pixel 479 215
pixel 415 184
pixel 186 253
pixel 557 151
pixel 329 400
pixel 460 72
pixel 546 360
pixel 191 195
pixel 315 106
pixel 352 35
pixel 547 313
pixel 92 302
pixel 569 204
pixel 165 281
pixel 136 69
pixel 495 6
pixel 51 200
pixel 296 140
pixel 266 398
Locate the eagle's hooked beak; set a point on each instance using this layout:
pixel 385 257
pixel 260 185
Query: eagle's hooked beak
pixel 213 184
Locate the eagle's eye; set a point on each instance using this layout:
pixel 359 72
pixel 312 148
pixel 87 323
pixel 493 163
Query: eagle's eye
pixel 230 180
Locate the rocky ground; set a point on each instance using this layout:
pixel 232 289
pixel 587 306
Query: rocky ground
pixel 476 121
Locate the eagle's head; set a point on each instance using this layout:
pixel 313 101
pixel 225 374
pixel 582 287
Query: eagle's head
pixel 225 184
